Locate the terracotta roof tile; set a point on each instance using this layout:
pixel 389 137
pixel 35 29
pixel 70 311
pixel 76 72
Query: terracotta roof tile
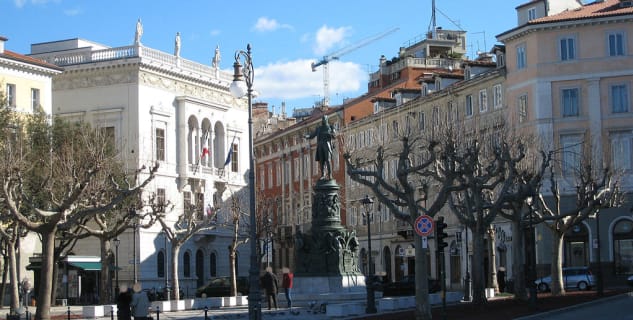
pixel 593 10
pixel 22 58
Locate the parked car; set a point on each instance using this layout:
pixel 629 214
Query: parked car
pixel 406 287
pixel 221 287
pixel 629 280
pixel 573 278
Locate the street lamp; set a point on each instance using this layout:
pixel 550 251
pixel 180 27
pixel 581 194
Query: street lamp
pixel 117 242
pixel 530 255
pixel 467 278
pixel 167 289
pixel 269 241
pixel 371 303
pixel 600 283
pixel 243 77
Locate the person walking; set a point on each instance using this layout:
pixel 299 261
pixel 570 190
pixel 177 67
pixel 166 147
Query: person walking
pixel 140 303
pixel 269 282
pixel 286 283
pixel 123 301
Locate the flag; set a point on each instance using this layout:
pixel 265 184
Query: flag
pixel 205 151
pixel 228 157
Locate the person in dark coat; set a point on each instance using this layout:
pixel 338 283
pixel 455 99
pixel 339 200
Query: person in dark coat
pixel 123 304
pixel 501 279
pixel 269 283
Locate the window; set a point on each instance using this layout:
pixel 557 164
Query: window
pixel 160 264
pixel 571 146
pixel 35 99
pixel 623 247
pixel 160 144
pixel 483 100
pixel 296 168
pixel 497 96
pixel 421 120
pixel 567 49
pixel 394 131
pixel 469 105
pixel 10 92
pixel 619 98
pixel 261 179
pixel 213 265
pixel 186 265
pixel 531 13
pixel 108 134
pixel 621 151
pixel 200 206
pixel 522 108
pixel 521 58
pixel 570 102
pixel 436 117
pixel 186 200
pixel 160 199
pixel 235 158
pixel 616 44
pixel 270 176
pixel 450 112
pixel 278 173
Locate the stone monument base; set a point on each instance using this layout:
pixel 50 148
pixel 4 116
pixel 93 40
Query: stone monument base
pixel 329 284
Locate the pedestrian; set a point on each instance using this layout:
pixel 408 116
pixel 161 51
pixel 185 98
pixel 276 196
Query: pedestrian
pixel 140 303
pixel 269 282
pixel 286 283
pixel 123 301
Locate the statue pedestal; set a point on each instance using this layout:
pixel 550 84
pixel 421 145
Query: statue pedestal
pixel 330 284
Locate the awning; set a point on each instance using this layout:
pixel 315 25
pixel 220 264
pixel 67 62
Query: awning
pixel 88 266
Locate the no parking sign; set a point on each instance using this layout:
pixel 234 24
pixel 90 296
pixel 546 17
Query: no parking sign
pixel 424 225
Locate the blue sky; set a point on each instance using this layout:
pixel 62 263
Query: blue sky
pixel 286 35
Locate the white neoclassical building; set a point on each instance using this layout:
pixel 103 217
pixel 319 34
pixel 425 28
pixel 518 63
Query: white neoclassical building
pixel 161 108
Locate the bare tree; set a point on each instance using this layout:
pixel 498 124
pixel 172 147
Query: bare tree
pixel 54 177
pixel 595 188
pixel 422 184
pixel 486 177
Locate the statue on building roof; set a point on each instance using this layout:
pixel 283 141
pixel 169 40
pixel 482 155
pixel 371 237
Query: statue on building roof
pixel 216 58
pixel 177 45
pixel 139 32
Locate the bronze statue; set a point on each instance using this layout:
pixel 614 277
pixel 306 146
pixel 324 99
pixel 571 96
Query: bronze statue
pixel 324 134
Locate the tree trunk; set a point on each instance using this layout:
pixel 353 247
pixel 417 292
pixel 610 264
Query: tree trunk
pixel 492 262
pixel 105 291
pixel 55 287
pixel 422 305
pixel 518 262
pixel 5 270
pixel 557 272
pixel 13 274
pixel 232 269
pixel 46 282
pixel 175 250
pixel 479 294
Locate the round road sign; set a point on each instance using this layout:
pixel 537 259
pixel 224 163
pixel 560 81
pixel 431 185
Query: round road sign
pixel 424 225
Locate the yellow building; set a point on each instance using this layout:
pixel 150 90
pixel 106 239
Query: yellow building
pixel 26 83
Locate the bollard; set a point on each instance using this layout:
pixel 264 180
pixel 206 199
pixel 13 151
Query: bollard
pixel 157 313
pixel 206 309
pixel 68 312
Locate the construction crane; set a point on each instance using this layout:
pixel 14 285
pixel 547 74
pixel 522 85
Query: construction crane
pixel 336 55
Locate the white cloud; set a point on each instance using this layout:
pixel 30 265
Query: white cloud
pixel 72 12
pixel 327 38
pixel 295 80
pixel 22 3
pixel 214 32
pixel 264 24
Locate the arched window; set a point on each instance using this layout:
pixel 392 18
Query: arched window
pixel 160 264
pixel 213 265
pixel 623 247
pixel 186 265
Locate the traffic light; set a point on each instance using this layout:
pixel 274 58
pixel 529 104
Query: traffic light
pixel 440 234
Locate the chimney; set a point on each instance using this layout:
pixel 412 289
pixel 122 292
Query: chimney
pixel 2 41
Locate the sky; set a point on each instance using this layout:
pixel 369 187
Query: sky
pixel 286 35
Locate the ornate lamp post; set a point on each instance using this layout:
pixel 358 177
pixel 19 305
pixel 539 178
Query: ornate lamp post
pixel 243 77
pixel 371 302
pixel 117 242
